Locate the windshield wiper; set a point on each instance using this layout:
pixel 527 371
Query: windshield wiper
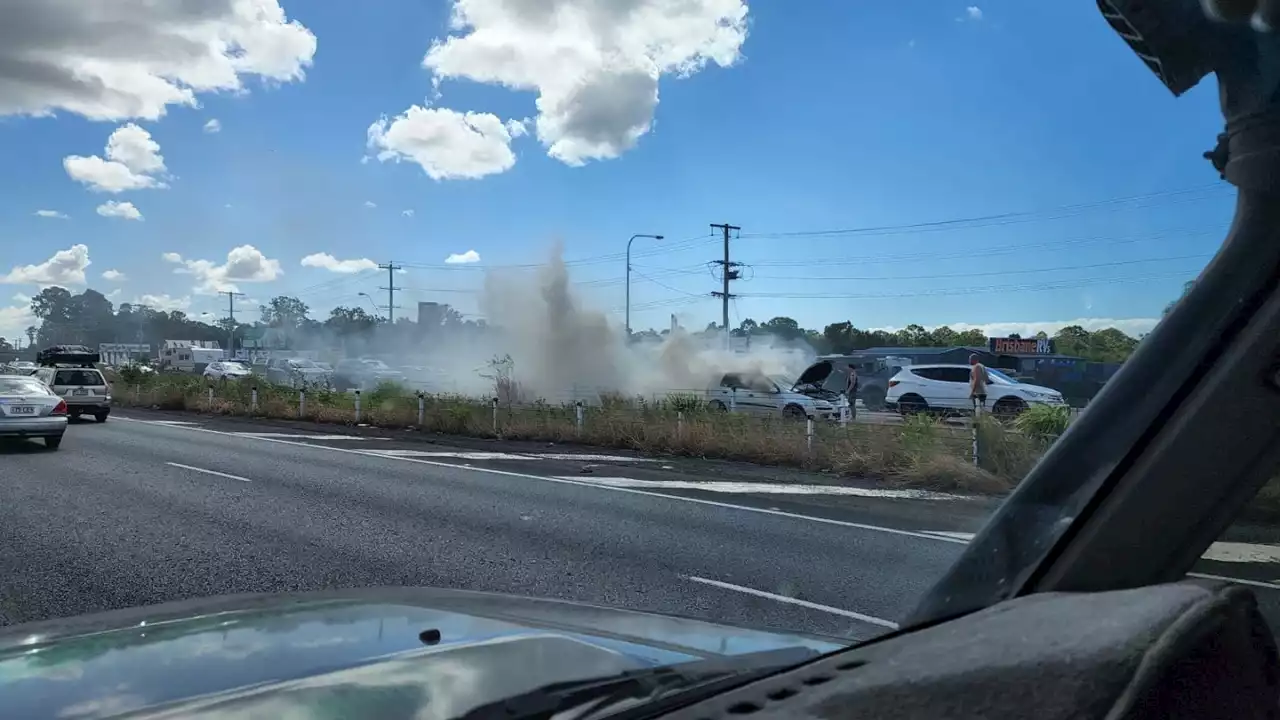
pixel 642 693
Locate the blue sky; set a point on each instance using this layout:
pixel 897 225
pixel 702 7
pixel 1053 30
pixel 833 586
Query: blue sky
pixel 825 115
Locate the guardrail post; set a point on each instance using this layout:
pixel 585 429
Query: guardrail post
pixel 357 407
pixel 577 411
pixel 680 424
pixel 495 416
pixel 733 399
pixel 302 403
pixel 253 400
pixel 808 434
pixel 422 409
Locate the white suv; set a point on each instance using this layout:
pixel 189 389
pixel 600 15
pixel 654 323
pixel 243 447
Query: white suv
pixel 945 388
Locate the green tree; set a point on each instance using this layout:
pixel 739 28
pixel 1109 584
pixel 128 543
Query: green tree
pixel 784 328
pixel 1186 288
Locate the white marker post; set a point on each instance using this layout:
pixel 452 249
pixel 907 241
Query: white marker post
pixel 808 434
pixel 253 400
pixel 680 425
pixel 422 409
pixel 302 403
pixel 209 405
pixel 495 417
pixel 577 409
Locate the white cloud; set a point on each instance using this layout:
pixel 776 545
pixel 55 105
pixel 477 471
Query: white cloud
pixel 407 213
pixel 370 204
pixel 213 126
pixel 446 143
pixel 22 298
pixel 973 12
pixel 163 303
pixel 132 162
pixel 244 264
pixel 333 264
pixel 66 267
pixel 51 214
pixel 123 210
pixel 14 320
pixel 470 256
pixel 134 58
pixel 114 276
pixel 1129 326
pixel 594 65
pixel 114 294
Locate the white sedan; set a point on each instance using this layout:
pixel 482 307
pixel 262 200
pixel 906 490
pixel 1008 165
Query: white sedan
pixel 227 370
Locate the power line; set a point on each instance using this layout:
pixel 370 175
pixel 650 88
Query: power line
pixel 978 290
pixel 990 273
pixel 1008 218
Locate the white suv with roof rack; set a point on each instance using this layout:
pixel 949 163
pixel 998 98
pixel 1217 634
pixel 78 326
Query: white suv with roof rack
pixel 945 388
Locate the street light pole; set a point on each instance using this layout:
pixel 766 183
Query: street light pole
pixel 633 237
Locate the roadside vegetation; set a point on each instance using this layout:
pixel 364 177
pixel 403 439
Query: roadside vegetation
pixel 921 451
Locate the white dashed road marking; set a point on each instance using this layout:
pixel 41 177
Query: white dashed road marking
pixel 208 472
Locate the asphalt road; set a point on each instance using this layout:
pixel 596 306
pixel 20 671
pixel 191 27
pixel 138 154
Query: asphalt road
pixel 152 507
pixel 134 512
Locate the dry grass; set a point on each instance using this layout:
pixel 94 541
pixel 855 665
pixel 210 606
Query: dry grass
pixel 920 452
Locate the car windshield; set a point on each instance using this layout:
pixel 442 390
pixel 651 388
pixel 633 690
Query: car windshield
pixel 1000 378
pixel 21 386
pixel 591 238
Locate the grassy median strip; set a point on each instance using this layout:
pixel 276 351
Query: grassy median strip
pixel 918 452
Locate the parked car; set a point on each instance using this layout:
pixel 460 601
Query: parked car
pixel 30 409
pixel 364 374
pixel 945 388
pixel 297 372
pixel 227 370
pixel 760 394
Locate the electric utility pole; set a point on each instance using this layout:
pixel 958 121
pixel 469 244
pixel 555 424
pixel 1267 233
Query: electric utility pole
pixel 391 269
pixel 727 273
pixel 231 322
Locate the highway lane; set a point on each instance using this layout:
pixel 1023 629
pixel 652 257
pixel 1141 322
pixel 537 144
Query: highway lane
pixel 130 513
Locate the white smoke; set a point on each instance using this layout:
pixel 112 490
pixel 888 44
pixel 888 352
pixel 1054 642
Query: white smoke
pixel 562 350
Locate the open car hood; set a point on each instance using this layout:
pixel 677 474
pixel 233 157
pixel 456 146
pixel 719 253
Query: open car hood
pixel 821 379
pixel 398 652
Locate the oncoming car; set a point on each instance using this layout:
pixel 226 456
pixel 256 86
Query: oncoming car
pixel 945 388
pixel 29 409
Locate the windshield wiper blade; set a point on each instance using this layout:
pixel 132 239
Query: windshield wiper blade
pixel 651 690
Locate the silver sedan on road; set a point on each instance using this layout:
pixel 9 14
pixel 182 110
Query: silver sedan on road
pixel 29 409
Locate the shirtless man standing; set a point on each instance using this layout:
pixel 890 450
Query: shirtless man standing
pixel 977 383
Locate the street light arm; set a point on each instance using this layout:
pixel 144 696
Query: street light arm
pixel 628 301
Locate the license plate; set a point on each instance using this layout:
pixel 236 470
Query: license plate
pixel 22 410
pixel 79 391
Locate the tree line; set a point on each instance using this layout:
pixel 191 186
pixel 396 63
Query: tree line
pixel 89 318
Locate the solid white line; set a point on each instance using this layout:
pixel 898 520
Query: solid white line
pixel 1241 581
pixel 208 472
pixel 793 601
pixel 564 481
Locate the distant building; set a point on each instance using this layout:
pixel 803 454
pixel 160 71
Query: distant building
pixel 430 314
